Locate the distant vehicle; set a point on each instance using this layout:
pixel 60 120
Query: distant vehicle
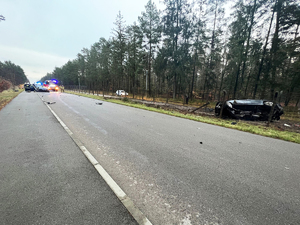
pixel 29 87
pixel 250 109
pixel 51 85
pixel 121 93
pixel 40 88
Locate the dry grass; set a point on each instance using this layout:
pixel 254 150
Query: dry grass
pixel 291 113
pixel 6 96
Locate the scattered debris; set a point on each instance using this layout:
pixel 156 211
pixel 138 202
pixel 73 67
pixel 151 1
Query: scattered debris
pixel 280 128
pixel 234 123
pixel 201 142
pixel 98 103
pixel 286 125
pixel 200 107
pixel 51 103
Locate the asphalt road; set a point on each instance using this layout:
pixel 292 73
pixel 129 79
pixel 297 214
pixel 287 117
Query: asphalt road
pixel 179 171
pixel 44 176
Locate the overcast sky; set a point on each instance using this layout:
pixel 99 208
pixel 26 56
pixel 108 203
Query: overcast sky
pixel 39 35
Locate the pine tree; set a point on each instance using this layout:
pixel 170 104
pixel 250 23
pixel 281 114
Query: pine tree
pixel 151 28
pixel 173 20
pixel 134 55
pixel 118 52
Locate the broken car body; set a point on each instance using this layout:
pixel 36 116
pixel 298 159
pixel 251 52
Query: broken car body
pixel 249 109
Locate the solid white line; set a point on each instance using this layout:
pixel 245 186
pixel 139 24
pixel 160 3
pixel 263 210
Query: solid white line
pixel 127 202
pixel 114 186
pixel 61 122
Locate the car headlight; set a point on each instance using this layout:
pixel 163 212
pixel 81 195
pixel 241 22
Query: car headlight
pixel 268 103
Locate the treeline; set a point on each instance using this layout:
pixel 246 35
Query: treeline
pixel 11 73
pixel 191 48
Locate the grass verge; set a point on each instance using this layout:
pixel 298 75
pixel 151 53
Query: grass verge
pixel 242 126
pixel 8 95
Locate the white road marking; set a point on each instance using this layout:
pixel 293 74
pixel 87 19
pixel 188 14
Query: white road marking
pixel 127 202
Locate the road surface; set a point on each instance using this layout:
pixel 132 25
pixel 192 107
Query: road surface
pixel 44 177
pixel 179 171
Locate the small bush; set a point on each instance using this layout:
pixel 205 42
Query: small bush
pixel 125 99
pixel 4 85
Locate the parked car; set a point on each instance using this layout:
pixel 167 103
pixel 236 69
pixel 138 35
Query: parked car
pixel 250 109
pixel 40 88
pixel 121 93
pixel 29 87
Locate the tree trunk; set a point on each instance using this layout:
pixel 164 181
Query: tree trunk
pixel 263 56
pixel 274 49
pixel 236 80
pixel 193 78
pixel 248 43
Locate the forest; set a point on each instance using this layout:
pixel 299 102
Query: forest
pixel 205 49
pixel 11 75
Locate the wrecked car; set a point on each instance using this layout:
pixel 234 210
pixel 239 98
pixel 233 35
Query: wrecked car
pixel 40 88
pixel 248 109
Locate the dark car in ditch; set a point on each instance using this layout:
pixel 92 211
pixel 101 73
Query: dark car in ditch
pixel 248 109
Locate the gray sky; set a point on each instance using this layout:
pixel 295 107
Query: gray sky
pixel 41 34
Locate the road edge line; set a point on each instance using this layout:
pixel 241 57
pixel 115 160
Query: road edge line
pixel 126 201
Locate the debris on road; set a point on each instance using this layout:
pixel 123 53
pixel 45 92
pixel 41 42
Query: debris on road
pixel 98 103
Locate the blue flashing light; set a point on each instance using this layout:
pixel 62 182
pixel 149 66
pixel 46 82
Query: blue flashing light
pixel 54 81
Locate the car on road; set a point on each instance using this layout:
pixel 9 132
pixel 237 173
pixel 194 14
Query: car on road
pixel 121 93
pixel 52 87
pixel 249 109
pixel 28 87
